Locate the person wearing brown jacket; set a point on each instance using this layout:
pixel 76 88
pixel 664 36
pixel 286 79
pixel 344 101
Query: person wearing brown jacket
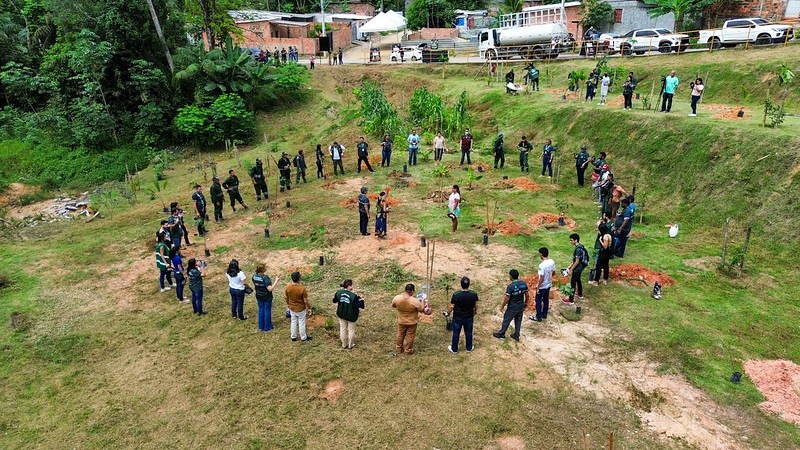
pixel 299 306
pixel 408 309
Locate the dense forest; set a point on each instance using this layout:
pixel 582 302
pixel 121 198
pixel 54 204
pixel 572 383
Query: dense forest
pixel 88 86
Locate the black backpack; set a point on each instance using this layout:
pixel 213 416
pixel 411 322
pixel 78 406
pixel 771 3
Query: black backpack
pixel 584 255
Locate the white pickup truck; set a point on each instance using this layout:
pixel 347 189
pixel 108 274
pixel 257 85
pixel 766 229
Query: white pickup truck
pixel 645 40
pixel 738 31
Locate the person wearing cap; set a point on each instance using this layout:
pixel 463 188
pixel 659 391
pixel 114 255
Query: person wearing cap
pixel 548 153
pixel 300 167
pixel 336 151
pixel 581 161
pixel 466 146
pixel 499 152
pixel 285 169
pixel 622 227
pixel 231 184
pixel 363 211
pixel 259 182
pixel 217 198
pixel 525 149
pixel 363 155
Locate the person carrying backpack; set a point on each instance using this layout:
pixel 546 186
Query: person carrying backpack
pixel 580 260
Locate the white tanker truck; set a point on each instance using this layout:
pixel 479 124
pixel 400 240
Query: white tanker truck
pixel 535 33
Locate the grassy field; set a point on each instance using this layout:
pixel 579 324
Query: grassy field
pixel 94 356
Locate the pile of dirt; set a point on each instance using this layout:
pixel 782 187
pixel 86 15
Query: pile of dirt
pixel 726 112
pixel 352 202
pixel 332 391
pixel 510 228
pixel 481 167
pixel 520 182
pixel 779 381
pixel 331 184
pixel 398 174
pixel 639 272
pixel 550 221
pixel 402 183
pixel 438 196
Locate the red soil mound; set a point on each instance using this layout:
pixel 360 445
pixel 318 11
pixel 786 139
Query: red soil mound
pixel 519 182
pixel 638 271
pixel 550 220
pixel 779 381
pixel 510 228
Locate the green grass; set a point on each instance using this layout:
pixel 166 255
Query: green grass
pixel 91 366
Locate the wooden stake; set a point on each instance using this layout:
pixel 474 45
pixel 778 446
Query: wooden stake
pixel 611 441
pixel 725 240
pixel 585 441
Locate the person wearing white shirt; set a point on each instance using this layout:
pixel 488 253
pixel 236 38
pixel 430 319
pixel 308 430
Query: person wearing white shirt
pixel 697 93
pixel 454 204
pixel 546 270
pixel 337 153
pixel 237 285
pixel 605 82
pixel 438 146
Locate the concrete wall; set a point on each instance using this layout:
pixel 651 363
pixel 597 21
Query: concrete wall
pixel 267 36
pixel 634 15
pixel 430 33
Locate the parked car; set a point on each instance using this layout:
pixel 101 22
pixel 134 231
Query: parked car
pixel 412 53
pixel 604 41
pixel 641 41
pixel 754 30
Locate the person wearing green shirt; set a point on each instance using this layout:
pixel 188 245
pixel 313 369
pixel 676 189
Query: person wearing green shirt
pixel 231 184
pixel 348 305
pixel 163 262
pixel 670 85
pixel 218 199
pixel 195 272
pixel 263 287
pixel 259 181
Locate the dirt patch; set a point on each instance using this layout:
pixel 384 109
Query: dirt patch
pixel 438 196
pixel 509 227
pixel 426 318
pixel 668 405
pixel 481 167
pixel 315 321
pixel 488 263
pixel 14 191
pixel 332 391
pixel 511 443
pixel 726 112
pixel 398 174
pixel 704 263
pixel 560 93
pixel 639 272
pixel 520 182
pixel 550 221
pixel 331 184
pixel 779 381
pixel 352 202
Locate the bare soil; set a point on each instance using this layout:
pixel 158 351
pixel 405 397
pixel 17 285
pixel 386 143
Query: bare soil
pixel 520 182
pixel 509 227
pixel 725 112
pixel 550 221
pixel 511 443
pixel 352 202
pixel 779 381
pixel 637 271
pixel 332 391
pixel 15 190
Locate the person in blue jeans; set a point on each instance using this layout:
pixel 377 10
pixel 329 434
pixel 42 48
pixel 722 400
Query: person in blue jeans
pixel 548 152
pixel 386 151
pixel 546 270
pixel 237 283
pixel 263 287
pixel 180 274
pixel 514 303
pixel 670 84
pixel 413 147
pixel 195 273
pixel 622 228
pixel 463 307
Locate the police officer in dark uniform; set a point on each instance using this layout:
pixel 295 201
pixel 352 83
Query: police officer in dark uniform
pixel 199 201
pixel 285 168
pixel 259 182
pixel 320 161
pixel 581 161
pixel 231 184
pixel 363 211
pixel 499 152
pixel 217 198
pixel 300 167
pixel 525 149
pixel 361 150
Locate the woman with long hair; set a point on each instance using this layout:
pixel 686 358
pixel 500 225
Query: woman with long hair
pixel 606 251
pixel 236 284
pixel 195 273
pixel 454 204
pixel 263 287
pixel 163 262
pixel 697 92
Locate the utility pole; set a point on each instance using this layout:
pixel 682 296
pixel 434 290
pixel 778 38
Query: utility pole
pixel 322 9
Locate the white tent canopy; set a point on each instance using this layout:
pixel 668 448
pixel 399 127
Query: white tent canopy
pixel 384 21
